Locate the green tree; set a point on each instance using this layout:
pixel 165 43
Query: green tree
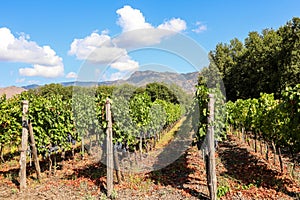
pixel 267 62
pixel 161 91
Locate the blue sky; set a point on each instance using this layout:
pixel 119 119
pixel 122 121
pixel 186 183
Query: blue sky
pixel 54 41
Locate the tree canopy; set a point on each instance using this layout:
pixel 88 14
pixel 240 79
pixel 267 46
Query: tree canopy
pixel 266 62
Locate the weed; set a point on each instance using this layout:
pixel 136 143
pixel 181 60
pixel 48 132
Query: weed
pixel 73 176
pixel 246 187
pixel 103 197
pixel 135 181
pixel 223 187
pixel 89 197
pixel 78 159
pixel 14 190
pixel 222 190
pixel 114 194
pixel 8 176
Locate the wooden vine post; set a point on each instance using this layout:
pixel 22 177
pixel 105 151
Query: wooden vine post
pixel 109 150
pixel 211 176
pixel 24 145
pixel 34 152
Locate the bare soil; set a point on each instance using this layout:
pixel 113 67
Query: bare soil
pixel 246 175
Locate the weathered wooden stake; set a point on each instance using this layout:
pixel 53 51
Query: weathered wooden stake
pixel 141 146
pixel 261 147
pixel 50 165
pixel 24 145
pixel 212 179
pixel 274 152
pixel 280 159
pixel 255 141
pixel 109 150
pixel 1 152
pixel 34 152
pixel 267 151
pixel 243 135
pixel 82 147
pixel 117 166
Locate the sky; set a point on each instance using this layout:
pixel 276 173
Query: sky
pixel 44 42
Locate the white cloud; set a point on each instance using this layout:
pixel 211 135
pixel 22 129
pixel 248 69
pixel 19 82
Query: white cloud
pixel 141 38
pixel 44 59
pixel 176 25
pixel 82 48
pixel 125 64
pixel 200 27
pixel 116 76
pixel 136 32
pixel 131 19
pixel 99 49
pixel 106 55
pixel 44 71
pixel 71 75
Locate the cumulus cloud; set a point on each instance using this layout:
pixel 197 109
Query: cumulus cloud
pixel 82 48
pixel 44 60
pixel 71 75
pixel 131 19
pixel 105 55
pixel 136 32
pixel 200 27
pixel 141 38
pixel 175 25
pixel 99 49
pixel 44 71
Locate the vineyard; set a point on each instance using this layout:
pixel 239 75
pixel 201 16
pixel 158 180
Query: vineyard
pixel 229 140
pixel 74 125
pixel 275 122
pixel 60 121
pixel 265 124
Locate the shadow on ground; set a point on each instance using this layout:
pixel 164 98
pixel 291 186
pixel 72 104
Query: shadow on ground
pixel 12 173
pixel 247 169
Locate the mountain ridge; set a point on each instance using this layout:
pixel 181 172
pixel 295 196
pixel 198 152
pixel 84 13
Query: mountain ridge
pixel 186 81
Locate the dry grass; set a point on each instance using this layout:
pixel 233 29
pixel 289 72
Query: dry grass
pixel 168 136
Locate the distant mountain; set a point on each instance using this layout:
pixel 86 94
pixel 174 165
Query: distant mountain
pixel 28 87
pixel 11 91
pixel 141 78
pixel 185 81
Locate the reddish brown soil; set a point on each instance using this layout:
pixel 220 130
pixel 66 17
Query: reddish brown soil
pixel 245 173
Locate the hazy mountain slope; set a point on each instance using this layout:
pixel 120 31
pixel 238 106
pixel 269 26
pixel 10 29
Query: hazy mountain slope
pixel 140 78
pixel 11 91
